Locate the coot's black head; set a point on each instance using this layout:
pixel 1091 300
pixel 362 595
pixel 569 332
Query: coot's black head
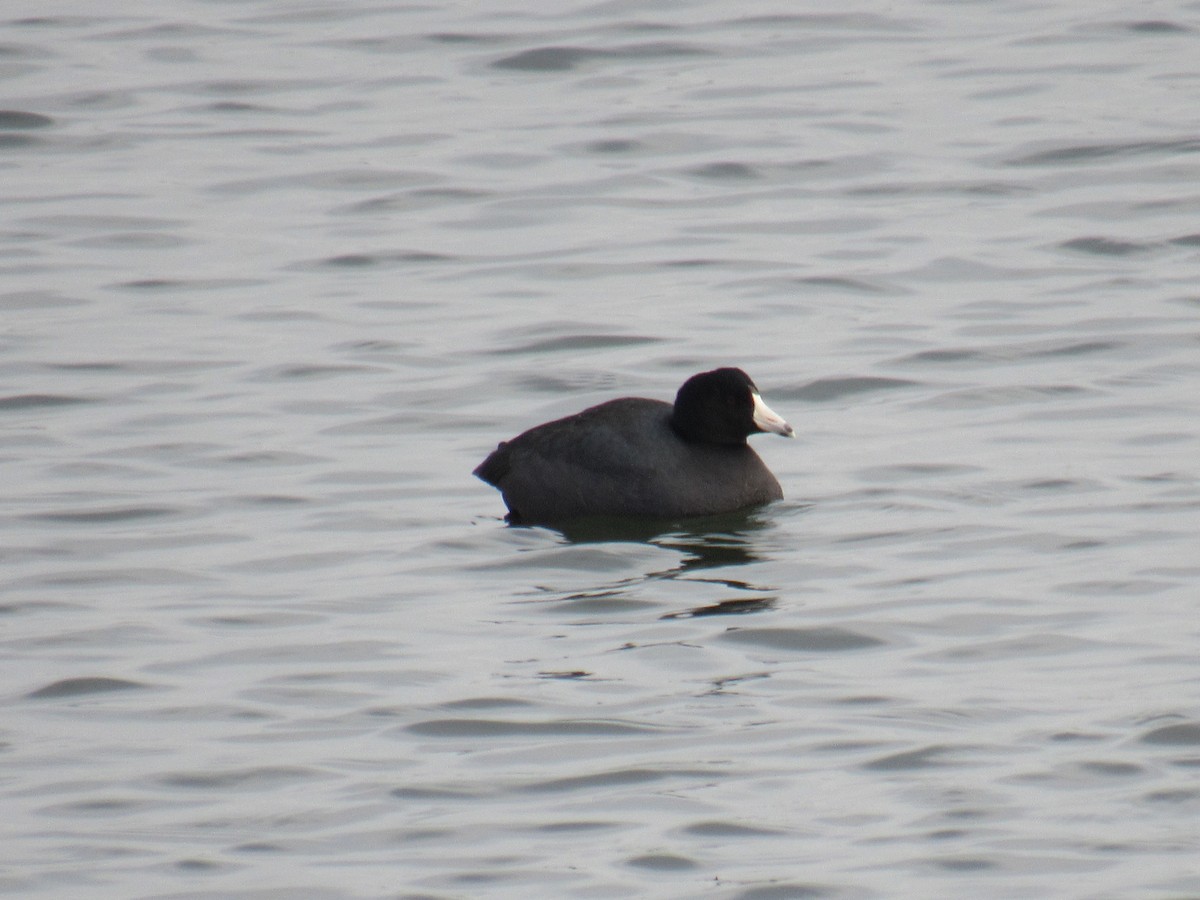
pixel 723 407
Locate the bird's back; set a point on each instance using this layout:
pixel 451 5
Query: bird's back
pixel 622 458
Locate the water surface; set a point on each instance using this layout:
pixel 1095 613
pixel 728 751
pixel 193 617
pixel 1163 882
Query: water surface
pixel 277 276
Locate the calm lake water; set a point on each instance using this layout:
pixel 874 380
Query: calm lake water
pixel 277 275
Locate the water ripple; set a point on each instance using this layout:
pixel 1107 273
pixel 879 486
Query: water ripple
pixel 77 687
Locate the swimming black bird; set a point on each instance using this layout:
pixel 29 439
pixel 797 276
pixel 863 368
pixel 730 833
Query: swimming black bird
pixel 642 458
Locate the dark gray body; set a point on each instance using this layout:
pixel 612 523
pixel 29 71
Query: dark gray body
pixel 623 458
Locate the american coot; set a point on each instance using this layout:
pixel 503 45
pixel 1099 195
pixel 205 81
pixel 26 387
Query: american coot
pixel 643 458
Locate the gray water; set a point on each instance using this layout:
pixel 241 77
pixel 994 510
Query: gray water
pixel 277 275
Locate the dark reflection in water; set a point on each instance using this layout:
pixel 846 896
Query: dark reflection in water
pixel 708 548
pixel 665 532
pixel 707 542
pixel 737 606
pixel 717 550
